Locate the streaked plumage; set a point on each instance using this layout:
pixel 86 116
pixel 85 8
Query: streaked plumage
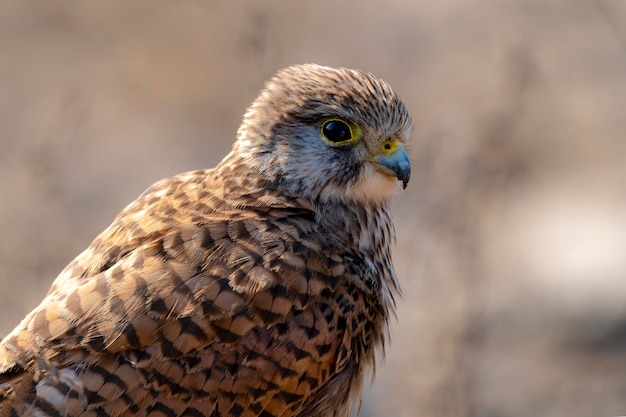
pixel 261 287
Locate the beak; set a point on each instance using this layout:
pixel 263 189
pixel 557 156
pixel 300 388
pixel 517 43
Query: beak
pixel 396 164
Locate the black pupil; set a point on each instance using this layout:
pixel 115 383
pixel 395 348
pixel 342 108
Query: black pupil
pixel 336 131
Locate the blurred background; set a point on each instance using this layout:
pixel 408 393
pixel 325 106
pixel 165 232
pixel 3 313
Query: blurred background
pixel 511 244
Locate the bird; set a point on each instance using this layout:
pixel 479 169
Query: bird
pixel 262 287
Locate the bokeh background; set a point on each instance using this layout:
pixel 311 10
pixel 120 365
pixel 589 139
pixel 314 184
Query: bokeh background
pixel 511 244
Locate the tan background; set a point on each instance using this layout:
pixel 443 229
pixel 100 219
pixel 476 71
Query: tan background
pixel 512 233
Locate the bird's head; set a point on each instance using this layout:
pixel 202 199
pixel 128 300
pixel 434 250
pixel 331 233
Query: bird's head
pixel 328 134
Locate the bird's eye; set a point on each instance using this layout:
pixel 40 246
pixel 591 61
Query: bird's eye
pixel 336 131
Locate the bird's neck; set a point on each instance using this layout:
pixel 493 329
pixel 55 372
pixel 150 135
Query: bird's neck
pixel 370 225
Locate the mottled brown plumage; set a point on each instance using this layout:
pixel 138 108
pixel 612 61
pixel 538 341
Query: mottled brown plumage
pixel 261 287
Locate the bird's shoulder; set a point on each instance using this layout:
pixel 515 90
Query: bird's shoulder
pixel 185 253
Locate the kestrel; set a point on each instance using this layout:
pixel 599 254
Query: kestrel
pixel 261 287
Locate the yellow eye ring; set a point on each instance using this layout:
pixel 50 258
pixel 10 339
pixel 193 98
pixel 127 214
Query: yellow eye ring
pixel 340 132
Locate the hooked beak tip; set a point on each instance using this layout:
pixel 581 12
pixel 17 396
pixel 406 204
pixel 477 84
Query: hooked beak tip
pixel 396 164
